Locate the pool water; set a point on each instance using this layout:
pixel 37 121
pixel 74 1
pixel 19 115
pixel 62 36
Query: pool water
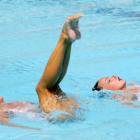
pixel 110 44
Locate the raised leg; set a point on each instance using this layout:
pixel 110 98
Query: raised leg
pixel 54 66
pixel 74 33
pixel 58 63
pixel 65 64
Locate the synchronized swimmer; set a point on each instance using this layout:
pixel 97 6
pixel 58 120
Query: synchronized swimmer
pixel 50 95
pixel 115 83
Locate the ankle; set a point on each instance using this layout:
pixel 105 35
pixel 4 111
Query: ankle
pixel 65 38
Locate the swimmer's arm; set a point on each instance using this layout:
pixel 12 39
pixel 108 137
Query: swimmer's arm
pixel 4 119
pixel 117 97
pixel 130 104
pixel 131 97
pixel 125 100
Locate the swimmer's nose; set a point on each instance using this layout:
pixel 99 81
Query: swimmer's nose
pixel 114 76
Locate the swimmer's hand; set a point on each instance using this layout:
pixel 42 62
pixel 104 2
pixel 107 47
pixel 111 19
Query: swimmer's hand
pixel 71 29
pixel 1 99
pixel 4 119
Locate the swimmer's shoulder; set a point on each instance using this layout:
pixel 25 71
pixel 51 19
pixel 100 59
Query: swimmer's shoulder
pixel 134 88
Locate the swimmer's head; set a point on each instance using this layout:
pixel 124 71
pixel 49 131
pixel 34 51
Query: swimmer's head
pixel 96 87
pixel 110 83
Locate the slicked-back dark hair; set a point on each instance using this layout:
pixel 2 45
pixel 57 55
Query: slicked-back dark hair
pixel 96 88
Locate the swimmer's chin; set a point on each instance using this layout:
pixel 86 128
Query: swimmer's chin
pixel 124 86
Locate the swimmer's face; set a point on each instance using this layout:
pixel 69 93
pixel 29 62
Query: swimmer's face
pixel 112 83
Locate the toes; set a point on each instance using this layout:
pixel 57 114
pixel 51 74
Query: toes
pixel 71 27
pixel 74 17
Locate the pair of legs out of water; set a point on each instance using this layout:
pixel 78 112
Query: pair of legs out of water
pixel 48 88
pixel 56 68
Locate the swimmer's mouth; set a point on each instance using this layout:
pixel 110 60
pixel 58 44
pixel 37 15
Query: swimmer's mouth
pixel 119 78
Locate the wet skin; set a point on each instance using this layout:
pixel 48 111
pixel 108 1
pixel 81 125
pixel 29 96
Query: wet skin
pixel 56 69
pixel 112 83
pixel 4 115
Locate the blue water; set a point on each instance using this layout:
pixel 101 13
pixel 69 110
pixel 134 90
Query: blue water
pixel 110 44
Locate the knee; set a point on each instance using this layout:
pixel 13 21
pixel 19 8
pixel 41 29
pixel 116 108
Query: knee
pixel 38 88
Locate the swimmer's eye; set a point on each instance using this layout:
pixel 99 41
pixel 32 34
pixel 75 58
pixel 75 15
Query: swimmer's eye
pixel 107 81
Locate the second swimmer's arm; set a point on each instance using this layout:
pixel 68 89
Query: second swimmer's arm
pixel 130 104
pixel 125 100
pixel 4 119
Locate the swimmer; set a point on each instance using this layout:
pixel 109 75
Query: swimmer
pixel 7 109
pixel 115 83
pixel 50 94
pixel 51 97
